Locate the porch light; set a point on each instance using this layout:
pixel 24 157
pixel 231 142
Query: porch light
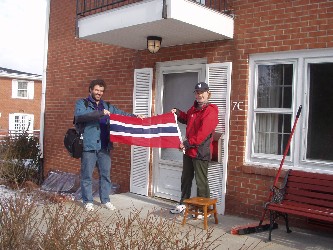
pixel 154 43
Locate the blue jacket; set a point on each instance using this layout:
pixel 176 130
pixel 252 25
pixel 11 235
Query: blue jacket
pixel 89 118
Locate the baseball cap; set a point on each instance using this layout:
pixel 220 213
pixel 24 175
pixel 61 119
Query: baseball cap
pixel 201 86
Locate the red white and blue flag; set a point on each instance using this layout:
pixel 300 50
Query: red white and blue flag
pixel 159 131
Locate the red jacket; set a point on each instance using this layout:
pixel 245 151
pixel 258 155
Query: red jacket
pixel 201 123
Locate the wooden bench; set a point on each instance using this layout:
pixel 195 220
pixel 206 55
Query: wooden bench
pixel 304 194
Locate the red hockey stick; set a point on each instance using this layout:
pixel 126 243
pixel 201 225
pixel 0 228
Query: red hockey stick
pixel 259 228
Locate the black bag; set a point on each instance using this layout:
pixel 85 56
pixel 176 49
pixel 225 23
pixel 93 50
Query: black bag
pixel 73 142
pixel 73 139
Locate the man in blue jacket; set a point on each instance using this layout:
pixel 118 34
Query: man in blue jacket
pixel 92 114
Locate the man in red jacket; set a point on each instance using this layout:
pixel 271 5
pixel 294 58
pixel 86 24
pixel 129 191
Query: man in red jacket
pixel 201 120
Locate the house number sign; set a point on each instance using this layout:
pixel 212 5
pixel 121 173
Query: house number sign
pixel 236 105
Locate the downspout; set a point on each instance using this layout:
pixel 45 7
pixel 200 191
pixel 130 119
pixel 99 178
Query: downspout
pixel 42 111
pixel 165 10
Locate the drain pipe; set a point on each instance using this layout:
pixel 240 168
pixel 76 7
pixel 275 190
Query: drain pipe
pixel 165 10
pixel 42 111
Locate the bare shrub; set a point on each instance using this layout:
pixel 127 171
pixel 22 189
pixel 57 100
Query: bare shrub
pixel 19 159
pixel 26 225
pixel 19 220
pixel 154 231
pixel 69 227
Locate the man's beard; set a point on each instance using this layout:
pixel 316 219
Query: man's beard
pixel 94 97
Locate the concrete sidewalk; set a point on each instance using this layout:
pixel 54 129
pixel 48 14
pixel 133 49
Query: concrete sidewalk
pixel 298 239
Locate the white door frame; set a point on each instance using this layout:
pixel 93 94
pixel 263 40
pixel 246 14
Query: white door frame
pixel 182 66
pixel 218 77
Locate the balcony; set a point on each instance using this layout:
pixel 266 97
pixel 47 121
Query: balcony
pixel 128 23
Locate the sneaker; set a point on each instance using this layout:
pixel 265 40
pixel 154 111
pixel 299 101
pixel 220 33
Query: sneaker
pixel 178 209
pixel 109 206
pixel 89 207
pixel 200 216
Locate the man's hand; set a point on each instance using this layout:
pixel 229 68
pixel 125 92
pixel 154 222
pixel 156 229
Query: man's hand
pixel 141 116
pixel 106 112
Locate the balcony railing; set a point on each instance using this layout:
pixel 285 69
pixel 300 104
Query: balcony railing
pixel 89 7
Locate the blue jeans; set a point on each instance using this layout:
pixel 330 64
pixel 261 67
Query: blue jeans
pixel 102 160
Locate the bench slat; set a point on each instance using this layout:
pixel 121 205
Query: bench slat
pixel 308 206
pixel 310 175
pixel 306 186
pixel 319 215
pixel 311 194
pixel 312 181
pixel 309 200
pixel 310 210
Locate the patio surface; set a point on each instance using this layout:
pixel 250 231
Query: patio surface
pixel 298 239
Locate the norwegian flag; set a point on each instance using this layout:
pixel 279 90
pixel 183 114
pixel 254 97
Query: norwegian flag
pixel 159 131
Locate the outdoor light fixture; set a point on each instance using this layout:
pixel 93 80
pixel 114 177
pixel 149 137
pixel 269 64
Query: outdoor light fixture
pixel 154 43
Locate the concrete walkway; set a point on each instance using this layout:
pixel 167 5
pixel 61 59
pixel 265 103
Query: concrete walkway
pixel 298 239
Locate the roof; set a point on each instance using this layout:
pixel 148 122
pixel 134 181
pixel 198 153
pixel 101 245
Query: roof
pixel 18 74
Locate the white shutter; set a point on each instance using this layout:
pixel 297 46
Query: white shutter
pixel 219 81
pixel 31 90
pixel 14 88
pixel 140 156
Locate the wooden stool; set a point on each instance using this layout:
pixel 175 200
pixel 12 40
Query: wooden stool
pixel 200 205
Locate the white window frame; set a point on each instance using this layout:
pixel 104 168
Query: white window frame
pixel 15 89
pixel 301 60
pixel 22 116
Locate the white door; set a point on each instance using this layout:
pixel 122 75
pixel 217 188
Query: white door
pixel 175 89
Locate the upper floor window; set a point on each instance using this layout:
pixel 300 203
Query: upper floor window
pixel 22 89
pixel 279 84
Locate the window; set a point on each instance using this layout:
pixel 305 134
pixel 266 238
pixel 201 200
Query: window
pixel 320 118
pixel 279 84
pixel 21 122
pixel 22 89
pixel 273 111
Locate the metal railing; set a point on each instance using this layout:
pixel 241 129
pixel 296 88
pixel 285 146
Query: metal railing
pixel 89 7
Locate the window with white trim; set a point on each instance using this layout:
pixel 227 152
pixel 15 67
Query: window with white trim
pixel 19 122
pixel 22 89
pixel 281 82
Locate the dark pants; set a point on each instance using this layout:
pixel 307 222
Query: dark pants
pixel 199 168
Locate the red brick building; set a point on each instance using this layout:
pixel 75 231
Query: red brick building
pixel 262 59
pixel 20 93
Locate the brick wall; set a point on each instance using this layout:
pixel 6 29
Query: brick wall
pixel 72 64
pixel 260 26
pixel 266 26
pixel 13 105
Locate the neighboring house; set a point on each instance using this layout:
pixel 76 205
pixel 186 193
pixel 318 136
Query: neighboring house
pixel 20 102
pixel 262 59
